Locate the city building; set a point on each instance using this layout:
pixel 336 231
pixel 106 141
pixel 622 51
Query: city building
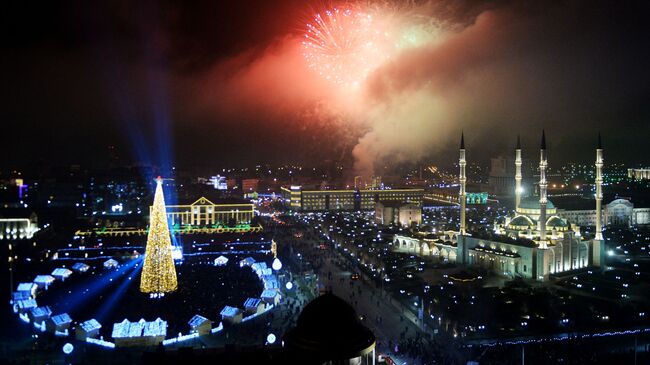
pixel 40 314
pixel 201 325
pixel 271 296
pixel 618 212
pixel 140 333
pixel 254 306
pixel 203 212
pixel 346 200
pixel 43 281
pixel 59 323
pixel 87 329
pixel 18 228
pixel 639 174
pixel 61 273
pixel 397 213
pixel 231 314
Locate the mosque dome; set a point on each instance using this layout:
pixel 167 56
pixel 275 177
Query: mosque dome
pixel 556 222
pixel 521 221
pixel 532 202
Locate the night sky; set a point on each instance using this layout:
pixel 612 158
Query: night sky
pixel 226 82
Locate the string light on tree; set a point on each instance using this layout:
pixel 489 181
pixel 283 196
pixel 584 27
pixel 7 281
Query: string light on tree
pixel 158 272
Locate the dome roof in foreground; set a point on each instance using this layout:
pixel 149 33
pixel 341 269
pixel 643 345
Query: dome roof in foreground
pixel 329 328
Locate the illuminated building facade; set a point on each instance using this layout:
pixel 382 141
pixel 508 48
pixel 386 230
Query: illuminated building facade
pixel 639 174
pixel 18 228
pixel 347 200
pixel 397 213
pixel 533 243
pixel 618 212
pixel 203 212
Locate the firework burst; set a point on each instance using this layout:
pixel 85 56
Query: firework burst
pixel 345 44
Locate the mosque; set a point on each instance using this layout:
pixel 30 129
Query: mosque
pixel 534 242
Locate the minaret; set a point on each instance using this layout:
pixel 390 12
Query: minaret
pixel 542 192
pixel 463 181
pixel 599 189
pixel 518 174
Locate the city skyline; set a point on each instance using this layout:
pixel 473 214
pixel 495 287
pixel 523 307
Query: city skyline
pixel 325 182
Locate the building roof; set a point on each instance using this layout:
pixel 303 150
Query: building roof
pixel 270 281
pixel 26 303
pixel 61 319
pixel 496 251
pixel 41 311
pixel 258 266
pixel 26 287
pixel 127 329
pixel 61 271
pixel 211 199
pixel 252 302
pixel 269 294
pixel 522 221
pixel 21 295
pixel 155 328
pixel 532 202
pixel 329 328
pixel 80 266
pixel 110 262
pixel 44 279
pixel 229 311
pixel 198 320
pixel 90 325
pixel 221 260
pixel 247 261
pixel 556 221
pixel 574 203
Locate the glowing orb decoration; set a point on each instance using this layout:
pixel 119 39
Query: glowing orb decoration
pixel 68 348
pixel 277 264
pixel 289 285
pixel 345 44
pixel 270 338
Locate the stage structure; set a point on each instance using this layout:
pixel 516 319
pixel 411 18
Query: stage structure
pixel 158 272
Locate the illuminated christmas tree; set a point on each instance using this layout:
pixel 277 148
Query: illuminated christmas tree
pixel 158 272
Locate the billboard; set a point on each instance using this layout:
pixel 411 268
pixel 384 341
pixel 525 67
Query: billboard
pixel 476 198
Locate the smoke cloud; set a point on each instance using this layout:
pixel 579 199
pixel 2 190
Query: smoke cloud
pixel 233 82
pixel 495 70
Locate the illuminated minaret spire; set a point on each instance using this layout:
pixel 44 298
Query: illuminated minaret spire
pixel 599 189
pixel 463 180
pixel 518 174
pixel 542 192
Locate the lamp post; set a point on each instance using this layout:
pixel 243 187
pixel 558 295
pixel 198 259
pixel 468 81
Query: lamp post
pixel 11 269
